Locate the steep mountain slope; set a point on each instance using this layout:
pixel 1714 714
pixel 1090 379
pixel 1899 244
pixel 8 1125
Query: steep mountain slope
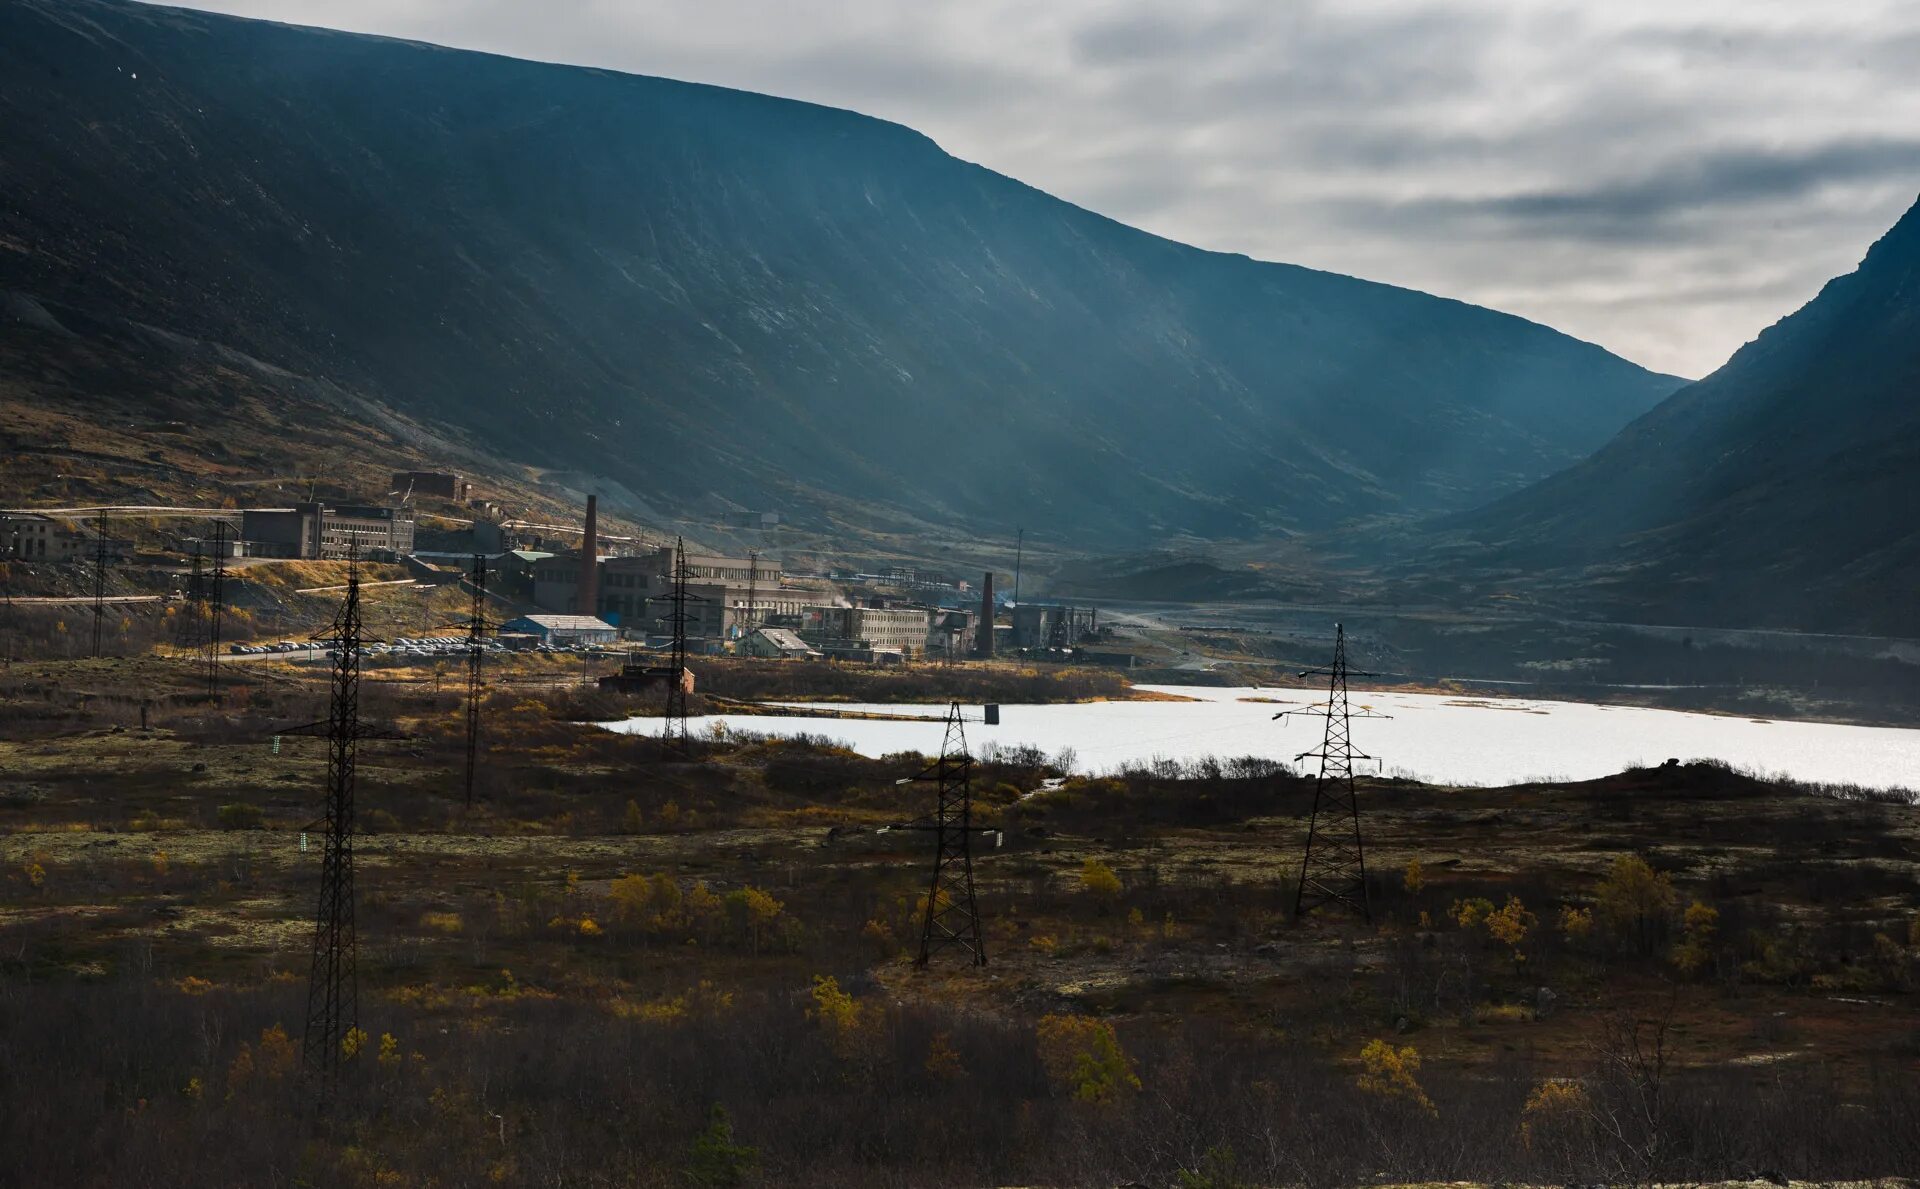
pixel 1780 491
pixel 716 297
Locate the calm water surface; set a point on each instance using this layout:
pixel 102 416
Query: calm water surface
pixel 1454 740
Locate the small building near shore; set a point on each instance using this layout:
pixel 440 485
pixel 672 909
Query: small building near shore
pixel 638 676
pixel 780 643
pixel 562 630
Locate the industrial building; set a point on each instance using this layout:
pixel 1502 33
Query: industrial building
pixel 1049 625
pixel 29 536
pixel 950 633
pixel 636 592
pixel 636 676
pixel 434 484
pixel 562 630
pixel 779 643
pixel 316 530
pixel 899 630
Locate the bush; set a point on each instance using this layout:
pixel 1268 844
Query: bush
pixel 1084 1059
pixel 241 816
pixel 1633 904
pixel 1098 881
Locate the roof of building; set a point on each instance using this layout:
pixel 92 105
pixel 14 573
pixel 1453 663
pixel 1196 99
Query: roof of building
pixel 528 555
pixel 784 639
pixel 566 623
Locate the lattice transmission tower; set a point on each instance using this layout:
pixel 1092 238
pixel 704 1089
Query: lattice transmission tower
pixel 100 580
pixel 952 915
pixel 674 730
pixel 333 986
pixel 1334 868
pixel 215 595
pixel 478 625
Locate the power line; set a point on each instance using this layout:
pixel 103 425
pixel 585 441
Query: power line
pixel 952 915
pixel 216 607
pixel 1333 869
pixel 477 627
pixel 674 730
pixel 100 581
pixel 333 987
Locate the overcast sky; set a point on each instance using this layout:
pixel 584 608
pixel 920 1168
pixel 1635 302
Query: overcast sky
pixel 1663 177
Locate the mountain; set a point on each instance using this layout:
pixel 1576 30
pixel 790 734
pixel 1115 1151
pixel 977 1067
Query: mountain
pixel 720 299
pixel 1781 491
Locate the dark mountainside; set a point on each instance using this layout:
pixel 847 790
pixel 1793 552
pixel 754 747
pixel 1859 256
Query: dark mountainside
pixel 1778 492
pixel 720 298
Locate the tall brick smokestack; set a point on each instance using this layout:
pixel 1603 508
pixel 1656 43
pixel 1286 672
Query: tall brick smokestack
pixel 983 639
pixel 589 603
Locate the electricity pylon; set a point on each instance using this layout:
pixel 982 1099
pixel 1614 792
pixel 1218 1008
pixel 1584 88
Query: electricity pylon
pixel 674 730
pixel 215 595
pixel 1334 868
pixel 952 916
pixel 333 985
pixel 478 625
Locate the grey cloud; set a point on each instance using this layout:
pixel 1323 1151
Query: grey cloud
pixel 1688 187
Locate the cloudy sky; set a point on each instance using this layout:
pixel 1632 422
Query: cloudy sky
pixel 1664 177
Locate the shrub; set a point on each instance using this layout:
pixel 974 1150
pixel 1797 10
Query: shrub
pixel 1575 923
pixel 1098 881
pixel 1633 903
pixel 1415 877
pixel 841 1015
pixel 1084 1058
pixel 1695 950
pixel 1553 1114
pixel 1468 913
pixel 1391 1073
pixel 1510 926
pixel 240 816
pixel 715 1159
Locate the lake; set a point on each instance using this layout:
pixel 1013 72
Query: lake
pixel 1432 737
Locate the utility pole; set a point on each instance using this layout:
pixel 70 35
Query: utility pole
pixel 1334 868
pixel 333 987
pixel 100 582
pixel 1019 553
pixel 477 628
pixel 753 591
pixel 674 730
pixel 952 916
pixel 216 605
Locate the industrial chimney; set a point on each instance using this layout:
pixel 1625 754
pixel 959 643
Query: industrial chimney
pixel 983 639
pixel 589 603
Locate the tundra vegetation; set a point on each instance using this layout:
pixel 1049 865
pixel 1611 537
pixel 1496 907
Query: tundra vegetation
pixel 626 968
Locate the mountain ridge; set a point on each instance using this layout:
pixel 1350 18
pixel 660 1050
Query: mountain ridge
pixel 736 299
pixel 1769 493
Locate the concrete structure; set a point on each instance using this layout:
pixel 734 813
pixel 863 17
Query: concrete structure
pixel 983 633
pixel 638 675
pixel 1050 625
pixel 562 630
pixel 950 633
pixel 877 629
pixel 586 595
pixel 636 592
pixel 779 643
pixel 327 531
pixel 28 536
pixel 437 484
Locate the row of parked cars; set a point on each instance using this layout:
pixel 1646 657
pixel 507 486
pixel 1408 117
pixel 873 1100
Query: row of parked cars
pixel 282 646
pixel 412 647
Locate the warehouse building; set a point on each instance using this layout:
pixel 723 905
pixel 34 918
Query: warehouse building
pixel 562 631
pixel 316 530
